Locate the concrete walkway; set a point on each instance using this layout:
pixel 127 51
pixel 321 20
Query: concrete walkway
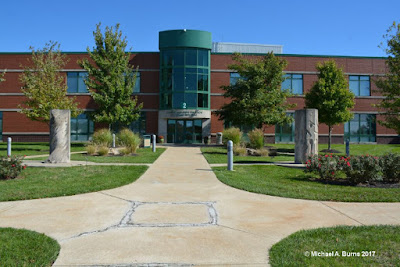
pixel 178 213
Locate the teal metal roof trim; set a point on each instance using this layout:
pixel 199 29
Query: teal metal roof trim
pixel 300 55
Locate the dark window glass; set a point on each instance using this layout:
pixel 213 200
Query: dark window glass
pixel 234 77
pixel 191 82
pixel 293 83
pixel 178 100
pixel 362 128
pixel 202 57
pixel 178 57
pixel 360 85
pixel 1 125
pixel 139 126
pixel 136 88
pixel 178 79
pixel 203 100
pixel 191 100
pixel 191 57
pixel 75 82
pixel 81 128
pixel 284 133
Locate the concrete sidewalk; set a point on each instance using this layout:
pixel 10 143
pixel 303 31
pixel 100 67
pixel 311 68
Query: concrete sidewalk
pixel 178 213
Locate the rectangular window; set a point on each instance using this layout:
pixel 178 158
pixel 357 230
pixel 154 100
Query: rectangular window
pixel 234 77
pixel 284 133
pixel 81 128
pixel 362 128
pixel 359 85
pixel 1 125
pixel 136 89
pixel 139 126
pixel 75 82
pixel 293 83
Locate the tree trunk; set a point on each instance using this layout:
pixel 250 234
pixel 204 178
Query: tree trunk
pixel 330 136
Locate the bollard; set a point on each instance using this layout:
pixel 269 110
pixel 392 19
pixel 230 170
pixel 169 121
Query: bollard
pixel 9 146
pixel 347 147
pixel 230 155
pixel 113 143
pixel 154 143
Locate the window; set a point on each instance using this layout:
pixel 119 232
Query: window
pixel 81 128
pixel 234 77
pixel 136 89
pixel 362 128
pixel 184 82
pixel 293 83
pixel 359 85
pixel 284 133
pixel 1 125
pixel 75 82
pixel 139 126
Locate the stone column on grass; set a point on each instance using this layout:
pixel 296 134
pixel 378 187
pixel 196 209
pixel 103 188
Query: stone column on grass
pixel 60 136
pixel 306 134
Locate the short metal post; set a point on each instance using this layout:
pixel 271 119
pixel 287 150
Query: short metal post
pixel 230 155
pixel 347 147
pixel 113 143
pixel 9 146
pixel 154 143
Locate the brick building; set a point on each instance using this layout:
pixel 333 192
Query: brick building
pixel 180 86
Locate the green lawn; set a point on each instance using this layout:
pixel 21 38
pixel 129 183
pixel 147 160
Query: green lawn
pixel 377 245
pixel 294 183
pixel 54 182
pixel 218 154
pixel 39 148
pixel 20 247
pixel 144 155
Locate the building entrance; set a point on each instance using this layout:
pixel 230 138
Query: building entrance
pixel 184 131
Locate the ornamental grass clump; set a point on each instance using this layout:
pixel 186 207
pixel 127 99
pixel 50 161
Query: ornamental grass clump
pixel 390 164
pixel 102 150
pixel 129 140
pixel 11 167
pixel 90 149
pixel 256 138
pixel 102 137
pixel 239 150
pixel 234 134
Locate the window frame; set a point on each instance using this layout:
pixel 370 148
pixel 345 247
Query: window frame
pixel 371 128
pixel 290 77
pixel 75 133
pixel 359 80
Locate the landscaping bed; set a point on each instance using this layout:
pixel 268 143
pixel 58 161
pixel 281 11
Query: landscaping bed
pixel 19 247
pixel 339 246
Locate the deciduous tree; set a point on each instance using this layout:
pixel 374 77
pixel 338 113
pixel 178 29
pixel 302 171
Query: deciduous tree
pixel 257 97
pixel 111 78
pixel 390 85
pixel 331 96
pixel 44 86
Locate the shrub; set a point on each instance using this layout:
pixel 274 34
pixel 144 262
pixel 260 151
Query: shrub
pixel 390 164
pixel 256 138
pixel 128 139
pixel 327 166
pixel 263 152
pixel 90 149
pixel 362 169
pixel 233 134
pixel 102 137
pixel 11 167
pixel 125 151
pixel 103 150
pixel 239 150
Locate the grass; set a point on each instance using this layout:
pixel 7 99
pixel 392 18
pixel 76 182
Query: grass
pixel 20 247
pixel 143 155
pixel 39 148
pixel 53 182
pixel 218 154
pixel 383 240
pixel 294 183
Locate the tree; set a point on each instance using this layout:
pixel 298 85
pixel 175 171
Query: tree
pixel 331 96
pixel 2 77
pixel 111 78
pixel 390 85
pixel 257 97
pixel 44 86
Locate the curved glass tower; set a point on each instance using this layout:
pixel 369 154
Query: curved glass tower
pixel 184 115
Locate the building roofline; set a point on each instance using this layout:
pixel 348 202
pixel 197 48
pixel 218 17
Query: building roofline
pixel 300 55
pixel 76 52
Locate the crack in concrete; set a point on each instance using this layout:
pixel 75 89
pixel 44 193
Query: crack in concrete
pixel 344 214
pixel 103 193
pixel 242 231
pixel 126 220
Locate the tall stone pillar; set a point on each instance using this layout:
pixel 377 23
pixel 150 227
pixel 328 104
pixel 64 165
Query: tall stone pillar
pixel 60 136
pixel 306 134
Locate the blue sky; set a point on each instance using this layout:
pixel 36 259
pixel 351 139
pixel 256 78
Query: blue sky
pixel 349 27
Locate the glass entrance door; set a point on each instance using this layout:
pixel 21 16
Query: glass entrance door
pixel 184 131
